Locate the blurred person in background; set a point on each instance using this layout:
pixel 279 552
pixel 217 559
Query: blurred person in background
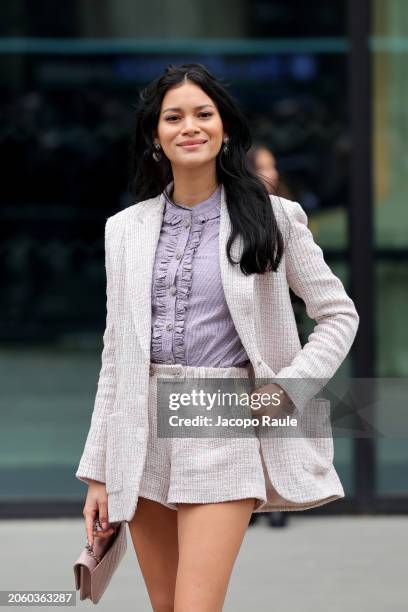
pixel 183 303
pixel 264 164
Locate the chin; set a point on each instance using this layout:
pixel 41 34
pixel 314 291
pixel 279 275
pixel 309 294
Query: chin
pixel 194 161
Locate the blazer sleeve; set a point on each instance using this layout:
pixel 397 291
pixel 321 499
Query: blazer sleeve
pixel 92 462
pixel 327 302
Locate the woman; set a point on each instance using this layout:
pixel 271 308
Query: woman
pixel 198 276
pixel 263 162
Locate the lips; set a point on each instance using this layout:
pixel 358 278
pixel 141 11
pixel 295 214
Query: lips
pixel 192 143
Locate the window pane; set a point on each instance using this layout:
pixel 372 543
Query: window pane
pixel 390 130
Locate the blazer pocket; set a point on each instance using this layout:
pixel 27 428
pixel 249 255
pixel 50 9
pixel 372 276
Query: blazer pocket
pixel 319 435
pixel 114 466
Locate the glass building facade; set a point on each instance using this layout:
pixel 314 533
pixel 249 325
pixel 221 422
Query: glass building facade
pixel 69 76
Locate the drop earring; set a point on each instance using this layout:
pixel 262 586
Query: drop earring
pixel 157 155
pixel 225 147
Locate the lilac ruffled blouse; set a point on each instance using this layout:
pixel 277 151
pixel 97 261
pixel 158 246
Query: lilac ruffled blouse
pixel 191 322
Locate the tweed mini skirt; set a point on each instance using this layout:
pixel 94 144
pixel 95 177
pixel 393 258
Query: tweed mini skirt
pixel 199 469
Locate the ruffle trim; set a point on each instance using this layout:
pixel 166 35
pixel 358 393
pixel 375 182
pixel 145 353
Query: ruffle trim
pixel 183 288
pixel 173 218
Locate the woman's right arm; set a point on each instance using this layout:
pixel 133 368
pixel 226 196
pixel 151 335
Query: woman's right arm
pixel 92 462
pixel 91 468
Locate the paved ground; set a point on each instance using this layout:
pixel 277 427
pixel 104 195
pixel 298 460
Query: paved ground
pixel 315 564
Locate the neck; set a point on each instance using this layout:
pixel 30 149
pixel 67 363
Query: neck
pixel 193 185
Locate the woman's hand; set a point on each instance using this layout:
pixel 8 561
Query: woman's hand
pixel 96 506
pixel 278 403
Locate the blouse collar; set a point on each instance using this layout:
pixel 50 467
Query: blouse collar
pixel 206 209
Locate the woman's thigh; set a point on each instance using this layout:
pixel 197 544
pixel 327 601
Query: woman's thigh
pixel 209 539
pixel 154 535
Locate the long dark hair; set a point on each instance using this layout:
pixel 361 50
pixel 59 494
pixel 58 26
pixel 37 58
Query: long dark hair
pixel 248 202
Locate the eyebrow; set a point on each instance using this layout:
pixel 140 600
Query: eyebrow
pixel 195 108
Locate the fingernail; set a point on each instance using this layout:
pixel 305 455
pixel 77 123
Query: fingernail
pixel 105 525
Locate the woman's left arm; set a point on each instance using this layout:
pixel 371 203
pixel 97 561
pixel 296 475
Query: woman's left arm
pixel 327 302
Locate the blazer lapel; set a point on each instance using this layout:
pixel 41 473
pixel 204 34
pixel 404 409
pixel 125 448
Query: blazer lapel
pixel 142 236
pixel 238 288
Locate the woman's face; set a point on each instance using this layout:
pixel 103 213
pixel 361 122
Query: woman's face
pixel 266 169
pixel 188 114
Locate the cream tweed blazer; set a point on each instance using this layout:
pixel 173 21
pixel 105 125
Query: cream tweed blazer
pixel 298 469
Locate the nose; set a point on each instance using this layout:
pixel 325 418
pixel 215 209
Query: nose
pixel 189 126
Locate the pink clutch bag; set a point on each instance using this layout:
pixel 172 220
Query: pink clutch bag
pixel 96 564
